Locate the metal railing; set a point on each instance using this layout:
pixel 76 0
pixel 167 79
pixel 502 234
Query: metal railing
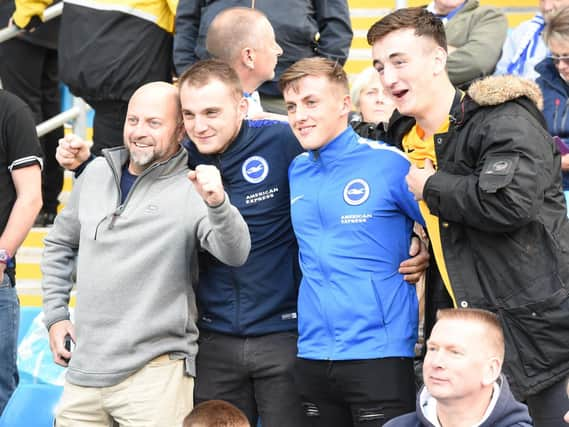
pixel 76 114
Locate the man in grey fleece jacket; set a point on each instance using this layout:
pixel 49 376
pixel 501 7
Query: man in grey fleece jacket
pixel 135 220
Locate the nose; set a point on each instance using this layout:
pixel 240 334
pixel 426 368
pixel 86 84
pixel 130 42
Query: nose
pixel 300 113
pixel 388 76
pixel 563 66
pixel 200 124
pixel 138 130
pixel 279 49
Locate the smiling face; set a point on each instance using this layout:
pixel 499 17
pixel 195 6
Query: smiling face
pixel 152 130
pixel 317 110
pixel 409 66
pixel 212 115
pixel 460 362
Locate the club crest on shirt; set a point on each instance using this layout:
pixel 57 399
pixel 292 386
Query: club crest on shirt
pixel 255 169
pixel 356 192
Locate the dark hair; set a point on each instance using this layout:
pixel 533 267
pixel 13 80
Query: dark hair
pixel 216 413
pixel 203 72
pixel 418 18
pixel 315 66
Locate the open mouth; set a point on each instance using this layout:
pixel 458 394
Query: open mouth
pixel 398 94
pixel 141 145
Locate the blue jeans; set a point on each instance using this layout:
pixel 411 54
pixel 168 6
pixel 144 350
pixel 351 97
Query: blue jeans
pixel 253 373
pixel 9 320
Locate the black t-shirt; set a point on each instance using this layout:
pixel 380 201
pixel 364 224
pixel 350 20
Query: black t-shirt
pixel 19 147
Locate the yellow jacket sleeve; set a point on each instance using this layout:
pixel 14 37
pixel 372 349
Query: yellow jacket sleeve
pixel 27 9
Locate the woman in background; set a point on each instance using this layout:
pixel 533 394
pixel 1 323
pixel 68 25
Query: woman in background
pixel 372 106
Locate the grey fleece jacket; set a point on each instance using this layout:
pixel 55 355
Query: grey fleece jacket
pixel 134 295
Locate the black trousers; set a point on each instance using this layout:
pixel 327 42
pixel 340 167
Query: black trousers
pixel 548 407
pixel 253 373
pixel 358 393
pixel 30 72
pixel 108 124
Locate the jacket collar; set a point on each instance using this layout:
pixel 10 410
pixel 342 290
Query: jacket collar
pixel 335 149
pixel 550 76
pixel 117 157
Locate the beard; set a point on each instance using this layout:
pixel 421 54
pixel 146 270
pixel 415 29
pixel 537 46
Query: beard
pixel 142 158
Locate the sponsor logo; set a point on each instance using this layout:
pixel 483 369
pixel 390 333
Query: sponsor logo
pixel 261 195
pixel 356 192
pixel 255 169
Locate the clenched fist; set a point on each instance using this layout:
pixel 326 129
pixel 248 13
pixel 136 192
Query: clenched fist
pixel 207 181
pixel 72 151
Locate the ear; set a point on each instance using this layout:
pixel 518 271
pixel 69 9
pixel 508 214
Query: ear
pixel 180 131
pixel 440 59
pixel 491 370
pixel 247 56
pixel 346 105
pixel 242 108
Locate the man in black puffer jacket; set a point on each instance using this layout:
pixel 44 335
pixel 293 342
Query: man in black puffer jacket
pixel 488 179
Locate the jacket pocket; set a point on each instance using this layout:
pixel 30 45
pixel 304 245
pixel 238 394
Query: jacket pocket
pixel 539 332
pixel 498 171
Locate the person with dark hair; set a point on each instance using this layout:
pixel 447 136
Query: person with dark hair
pixel 353 216
pixel 462 373
pixel 21 200
pixel 488 180
pixel 216 413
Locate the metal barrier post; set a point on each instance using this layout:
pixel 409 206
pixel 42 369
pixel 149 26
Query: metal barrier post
pixel 50 13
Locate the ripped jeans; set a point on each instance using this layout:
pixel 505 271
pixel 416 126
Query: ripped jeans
pixel 355 393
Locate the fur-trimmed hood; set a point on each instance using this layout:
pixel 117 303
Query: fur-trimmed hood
pixel 494 90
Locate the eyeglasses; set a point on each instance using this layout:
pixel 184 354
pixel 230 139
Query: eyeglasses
pixel 557 59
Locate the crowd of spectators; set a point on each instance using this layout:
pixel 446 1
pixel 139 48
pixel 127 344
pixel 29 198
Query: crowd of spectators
pixel 287 203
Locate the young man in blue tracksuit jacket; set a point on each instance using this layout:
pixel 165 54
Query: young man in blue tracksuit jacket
pixel 353 217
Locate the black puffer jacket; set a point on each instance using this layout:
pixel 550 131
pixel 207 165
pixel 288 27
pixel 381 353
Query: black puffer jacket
pixel 503 224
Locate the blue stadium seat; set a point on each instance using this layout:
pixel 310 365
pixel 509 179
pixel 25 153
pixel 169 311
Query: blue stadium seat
pixel 31 405
pixel 27 316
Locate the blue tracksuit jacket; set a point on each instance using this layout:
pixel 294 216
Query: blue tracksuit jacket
pixel 353 215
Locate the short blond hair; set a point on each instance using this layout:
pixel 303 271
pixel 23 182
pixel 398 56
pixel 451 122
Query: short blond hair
pixel 483 317
pixel 315 67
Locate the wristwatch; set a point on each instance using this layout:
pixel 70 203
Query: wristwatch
pixel 5 257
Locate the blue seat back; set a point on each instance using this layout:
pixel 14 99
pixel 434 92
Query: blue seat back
pixel 31 405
